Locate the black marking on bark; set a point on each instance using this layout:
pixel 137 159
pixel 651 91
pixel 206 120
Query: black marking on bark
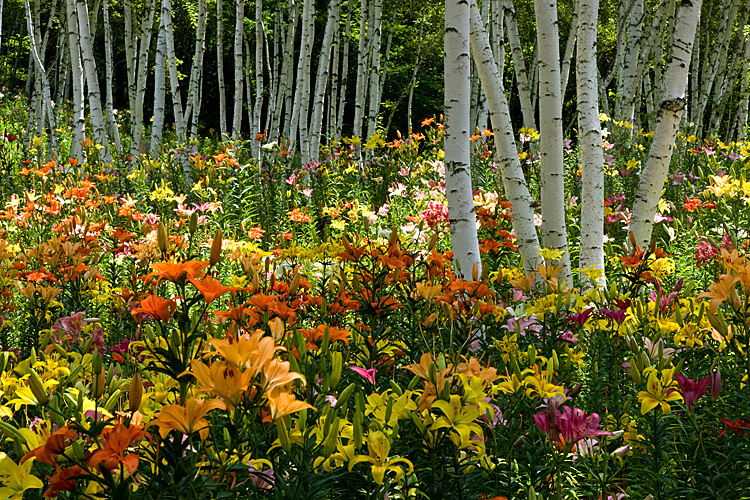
pixel 673 105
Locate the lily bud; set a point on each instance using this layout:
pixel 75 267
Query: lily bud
pixel 193 224
pixel 136 393
pixel 286 443
pixel 216 247
pixel 161 237
pixel 336 367
pixel 474 272
pixel 715 384
pixel 99 384
pixel 37 388
pixel 433 241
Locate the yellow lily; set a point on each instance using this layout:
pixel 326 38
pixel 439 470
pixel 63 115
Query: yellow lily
pixel 282 403
pixel 186 419
pixel 458 418
pixel 658 392
pixel 221 380
pixel 16 478
pixel 378 447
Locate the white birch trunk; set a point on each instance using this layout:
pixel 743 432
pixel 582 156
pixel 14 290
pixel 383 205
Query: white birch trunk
pixel 670 111
pixel 590 137
pixel 519 66
pixel 160 90
pixel 570 46
pixel 456 139
pixel 47 117
pixel 79 117
pixel 321 82
pixel 147 23
pixel 287 72
pixel 174 81
pixel 360 90
pixel 345 75
pixel 92 79
pixel 220 67
pixel 259 83
pixel 111 120
pixel 300 111
pixel 514 182
pixel 132 68
pixel 415 71
pixel 193 101
pixel 629 72
pixel 239 28
pixel 554 234
pixel 744 93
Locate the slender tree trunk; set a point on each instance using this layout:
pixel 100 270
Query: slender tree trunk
pixel 92 79
pixel 360 90
pixel 629 74
pixel 287 71
pixel 456 139
pixel 300 113
pixel 514 183
pixel 193 101
pixel 554 234
pixel 174 81
pixel 415 71
pixel 570 46
pixel 744 92
pixel 111 120
pixel 344 73
pixel 239 29
pixel 259 83
pixel 220 67
pixel 131 63
pixel 590 136
pixel 147 22
pixel 519 66
pixel 47 117
pixel 79 117
pixel 671 107
pixel 160 89
pixel 321 82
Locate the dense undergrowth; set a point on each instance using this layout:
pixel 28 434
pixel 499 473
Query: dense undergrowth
pixel 266 329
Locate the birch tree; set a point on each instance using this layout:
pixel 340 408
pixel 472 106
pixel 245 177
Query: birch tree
pixel 456 139
pixel 554 234
pixel 193 101
pixel 92 80
pixel 590 137
pixel 174 81
pixel 321 81
pixel 239 29
pixel 514 183
pixel 79 117
pixel 160 89
pixel 111 120
pixel 668 117
pixel 220 67
pixel 519 66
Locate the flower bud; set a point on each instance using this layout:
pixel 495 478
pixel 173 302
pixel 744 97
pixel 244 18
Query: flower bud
pixel 286 443
pixel 216 247
pixel 136 393
pixel 37 388
pixel 100 381
pixel 161 237
pixel 193 224
pixel 336 367
pixel 715 384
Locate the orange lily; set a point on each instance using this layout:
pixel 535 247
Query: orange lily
pixel 281 403
pixel 186 419
pixel 118 440
pixel 211 288
pixel 156 307
pixel 723 290
pixel 276 374
pixel 228 383
pixel 248 352
pixel 173 271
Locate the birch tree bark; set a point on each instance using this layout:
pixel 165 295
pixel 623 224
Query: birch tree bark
pixel 259 46
pixel 744 92
pixel 670 111
pixel 239 29
pixel 456 139
pixel 514 183
pixel 345 74
pixel 79 117
pixel 285 94
pixel 174 81
pixel 519 66
pixel 554 234
pixel 570 46
pixel 140 72
pixel 321 80
pixel 160 89
pixel 360 90
pixel 590 137
pixel 111 120
pixel 47 115
pixel 220 67
pixel 193 101
pixel 300 113
pixel 92 81
pixel 629 76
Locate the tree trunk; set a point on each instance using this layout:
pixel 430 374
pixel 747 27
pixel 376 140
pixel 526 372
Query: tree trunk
pixel 174 81
pixel 744 93
pixel 79 117
pixel 668 118
pixel 514 182
pixel 321 82
pixel 519 66
pixel 456 139
pixel 360 90
pixel 554 234
pixel 344 73
pixel 92 79
pixel 220 67
pixel 111 120
pixel 239 29
pixel 259 80
pixel 570 46
pixel 193 101
pixel 160 89
pixel 590 137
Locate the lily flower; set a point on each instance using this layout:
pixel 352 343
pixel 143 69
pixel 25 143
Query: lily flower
pixel 379 447
pixel 657 393
pixel 691 390
pixel 16 478
pixel 186 419
pixel 368 375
